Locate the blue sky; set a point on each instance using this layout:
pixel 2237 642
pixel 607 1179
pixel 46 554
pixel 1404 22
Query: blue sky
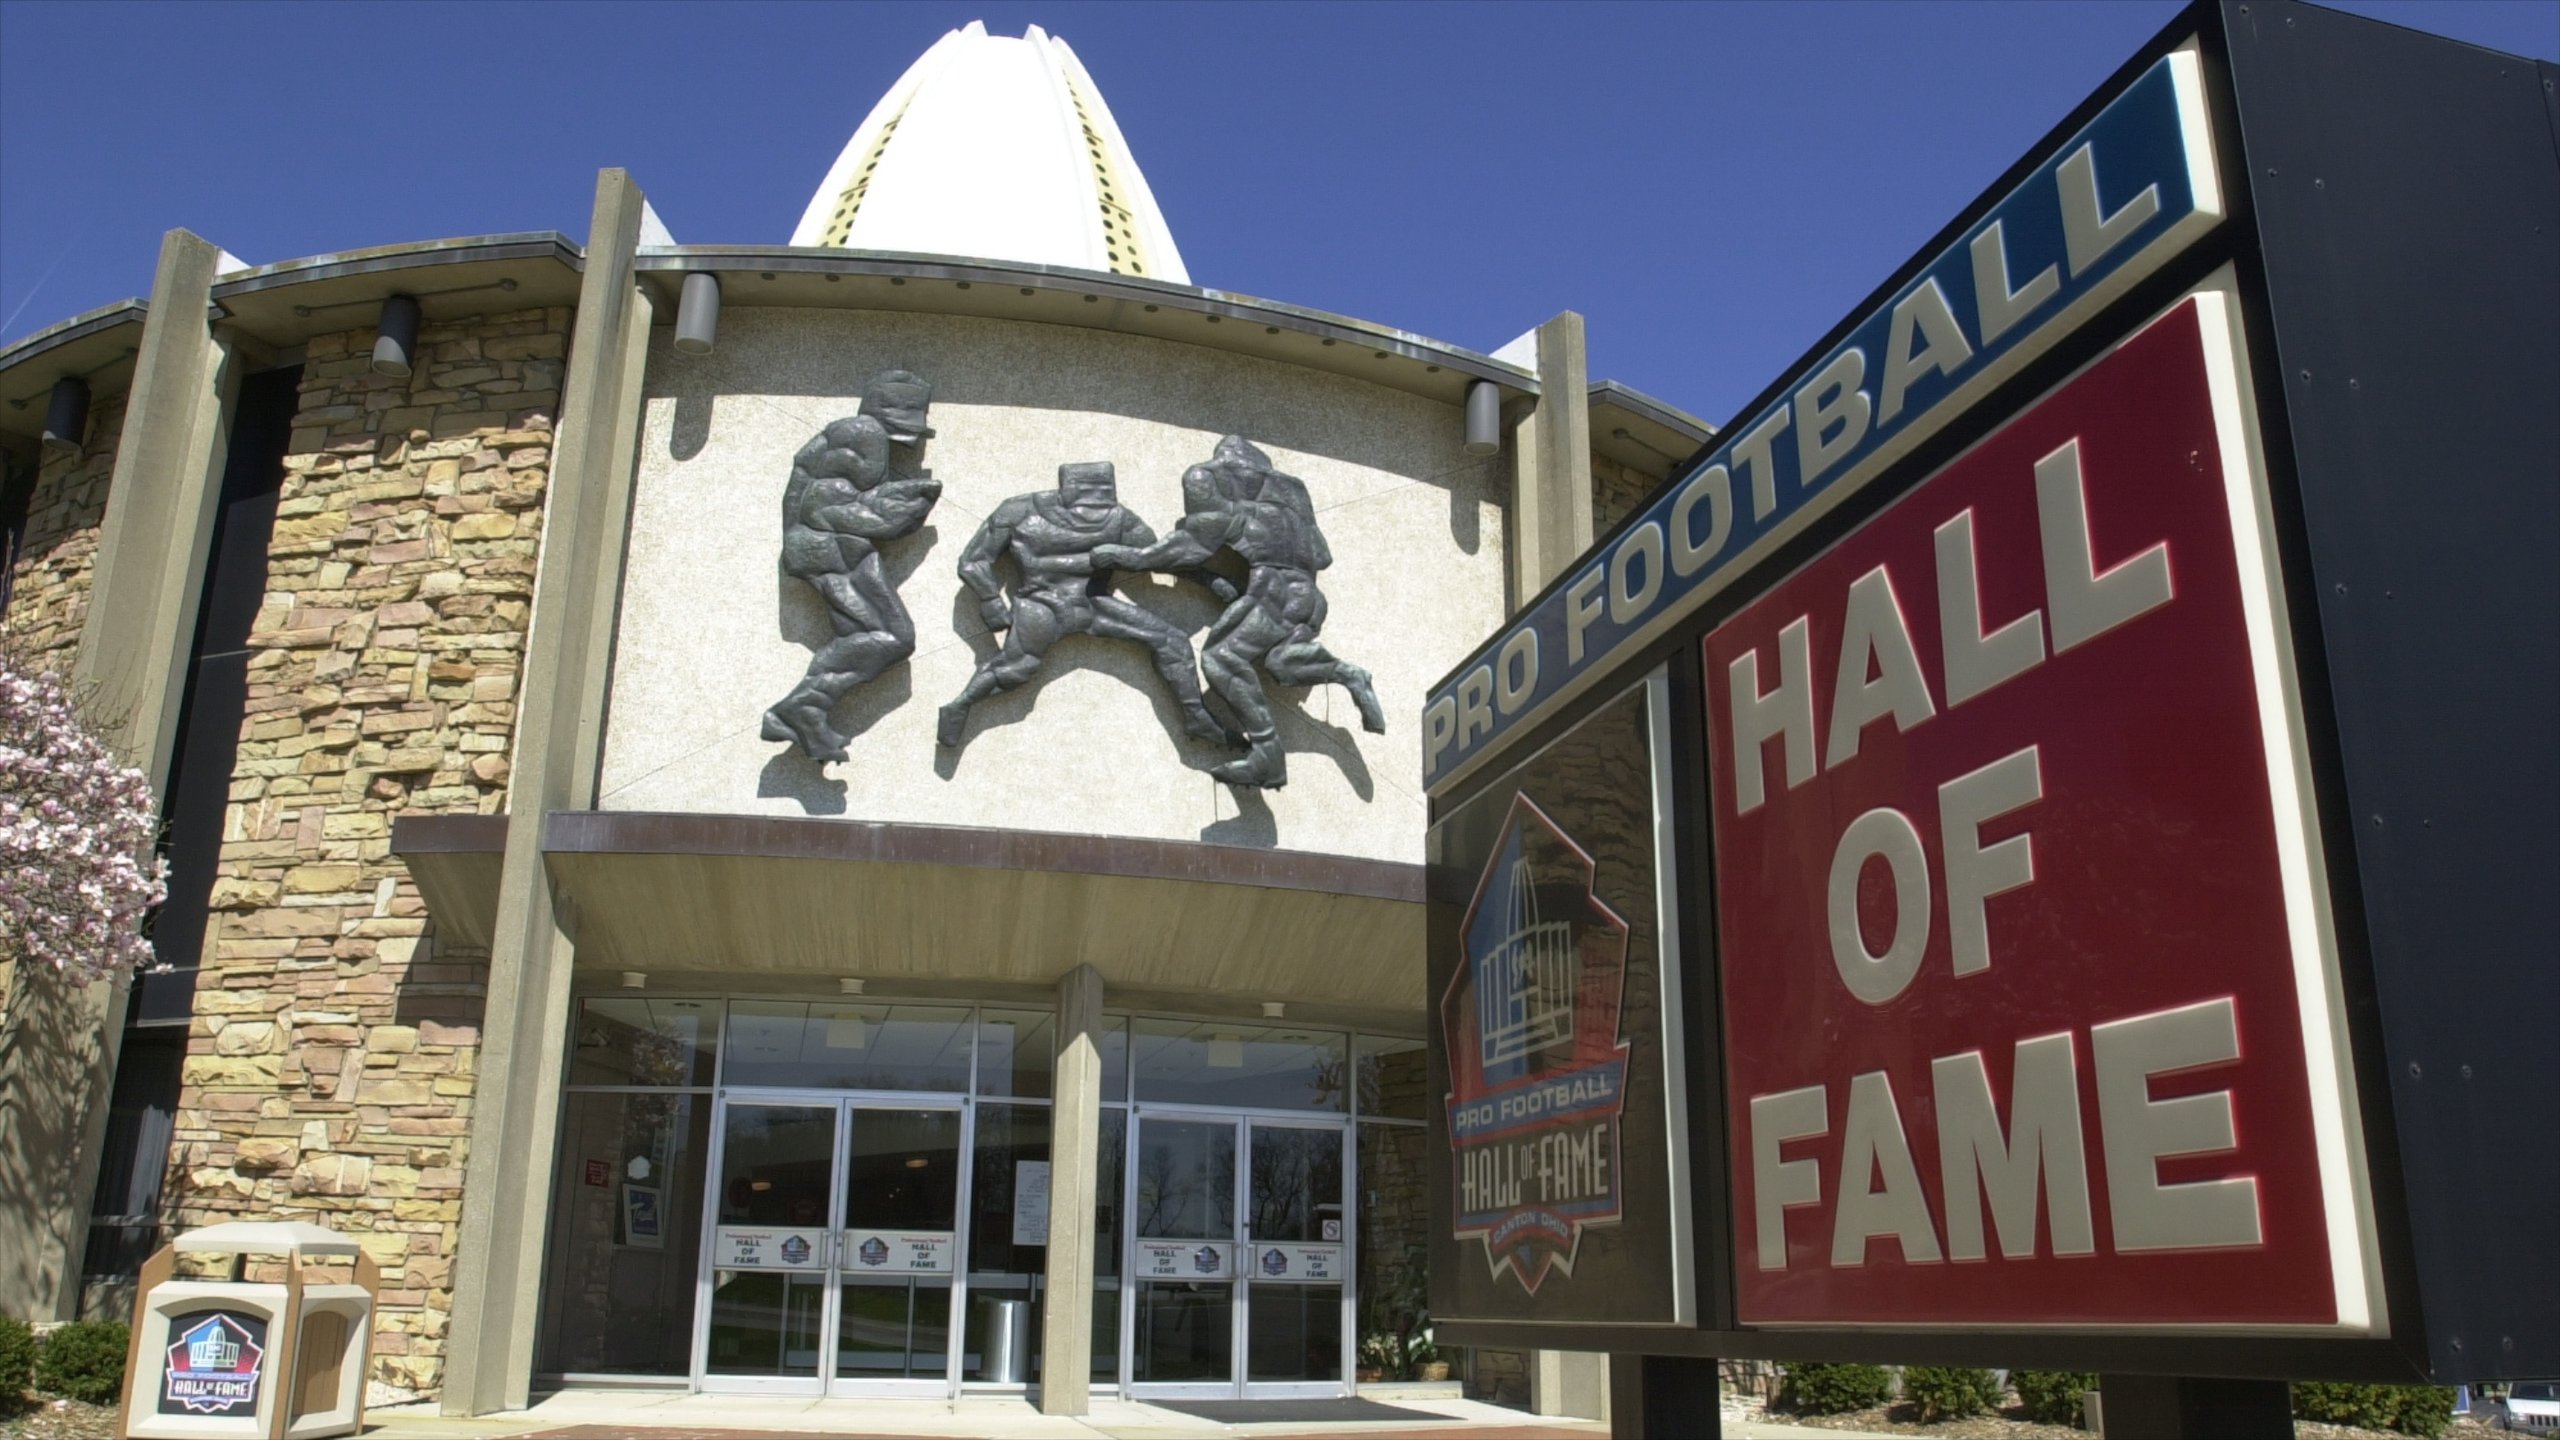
pixel 1713 185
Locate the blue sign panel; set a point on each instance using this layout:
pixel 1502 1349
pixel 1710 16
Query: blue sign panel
pixel 2131 189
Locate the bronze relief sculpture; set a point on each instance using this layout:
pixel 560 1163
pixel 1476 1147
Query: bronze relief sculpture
pixel 847 497
pixel 1051 537
pixel 1238 502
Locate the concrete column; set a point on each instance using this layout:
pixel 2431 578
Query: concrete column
pixel 1551 453
pixel 1075 1175
pixel 2167 1407
pixel 559 721
pixel 58 1048
pixel 1664 1395
pixel 1550 527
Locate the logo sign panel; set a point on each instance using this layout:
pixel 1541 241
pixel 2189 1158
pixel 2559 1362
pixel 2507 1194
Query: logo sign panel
pixel 2135 186
pixel 2030 1015
pixel 214 1364
pixel 1561 1189
pixel 919 1252
pixel 1185 1260
pixel 1299 1264
pixel 746 1247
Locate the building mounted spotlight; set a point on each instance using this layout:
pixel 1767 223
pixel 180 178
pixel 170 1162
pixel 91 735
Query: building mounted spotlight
pixel 1484 418
pixel 66 414
pixel 395 337
pixel 698 313
pixel 1274 1009
pixel 635 980
pixel 849 985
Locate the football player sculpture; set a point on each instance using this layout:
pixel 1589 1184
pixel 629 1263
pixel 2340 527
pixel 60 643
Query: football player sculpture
pixel 1058 591
pixel 845 500
pixel 1237 502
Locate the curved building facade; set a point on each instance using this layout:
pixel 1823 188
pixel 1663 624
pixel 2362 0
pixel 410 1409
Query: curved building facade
pixel 830 818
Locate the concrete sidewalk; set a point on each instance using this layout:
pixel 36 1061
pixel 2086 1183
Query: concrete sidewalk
pixel 666 1415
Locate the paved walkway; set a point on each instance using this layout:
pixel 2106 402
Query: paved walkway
pixel 662 1415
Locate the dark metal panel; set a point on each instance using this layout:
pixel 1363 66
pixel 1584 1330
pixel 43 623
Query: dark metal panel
pixel 2407 201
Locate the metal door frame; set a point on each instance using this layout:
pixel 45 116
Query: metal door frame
pixel 827 1382
pixel 1237 1386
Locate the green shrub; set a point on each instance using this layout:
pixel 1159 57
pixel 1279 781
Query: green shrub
pixel 2424 1410
pixel 84 1361
pixel 1949 1392
pixel 2339 1403
pixel 2052 1397
pixel 1836 1389
pixel 17 1362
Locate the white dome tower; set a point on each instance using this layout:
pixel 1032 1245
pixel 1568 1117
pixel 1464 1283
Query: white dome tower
pixel 998 149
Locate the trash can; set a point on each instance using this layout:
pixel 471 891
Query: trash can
pixel 1004 1353
pixel 261 1361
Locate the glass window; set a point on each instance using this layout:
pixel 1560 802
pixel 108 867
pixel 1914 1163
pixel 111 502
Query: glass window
pixel 1008 1228
pixel 626 1234
pixel 1394 1084
pixel 632 1041
pixel 1186 1179
pixel 1014 1052
pixel 1293 1178
pixel 1221 1062
pixel 828 1045
pixel 1115 1058
pixel 1109 1153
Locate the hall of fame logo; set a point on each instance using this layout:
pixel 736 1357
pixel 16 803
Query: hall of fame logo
pixel 213 1368
pixel 1537 1071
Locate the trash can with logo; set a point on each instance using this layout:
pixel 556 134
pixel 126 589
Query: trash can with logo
pixel 278 1360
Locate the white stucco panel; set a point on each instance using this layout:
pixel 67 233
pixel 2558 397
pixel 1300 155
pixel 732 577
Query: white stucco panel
pixel 711 632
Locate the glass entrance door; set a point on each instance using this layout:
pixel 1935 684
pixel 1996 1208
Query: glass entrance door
pixel 833 1251
pixel 1238 1257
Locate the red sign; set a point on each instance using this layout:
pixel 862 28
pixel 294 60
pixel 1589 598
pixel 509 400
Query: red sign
pixel 599 1172
pixel 2027 1008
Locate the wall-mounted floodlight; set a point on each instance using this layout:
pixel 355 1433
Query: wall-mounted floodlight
pixel 395 339
pixel 1484 418
pixel 698 313
pixel 66 414
pixel 635 979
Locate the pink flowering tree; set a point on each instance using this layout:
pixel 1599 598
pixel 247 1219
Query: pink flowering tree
pixel 78 871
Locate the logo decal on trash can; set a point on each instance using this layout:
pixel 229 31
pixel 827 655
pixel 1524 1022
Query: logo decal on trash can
pixel 214 1366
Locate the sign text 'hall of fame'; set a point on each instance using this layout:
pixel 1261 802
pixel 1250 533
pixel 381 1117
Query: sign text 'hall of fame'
pixel 2013 874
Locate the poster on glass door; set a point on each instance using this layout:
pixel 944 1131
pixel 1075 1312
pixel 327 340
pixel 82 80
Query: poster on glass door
pixel 755 1247
pixel 1298 1264
pixel 898 1252
pixel 1185 1260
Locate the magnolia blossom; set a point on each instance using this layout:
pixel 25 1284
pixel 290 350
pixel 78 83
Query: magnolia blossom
pixel 78 871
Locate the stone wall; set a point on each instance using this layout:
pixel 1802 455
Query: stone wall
pixel 49 575
pixel 330 1066
pixel 1615 490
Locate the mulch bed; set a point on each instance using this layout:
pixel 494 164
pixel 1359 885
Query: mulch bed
pixel 61 1420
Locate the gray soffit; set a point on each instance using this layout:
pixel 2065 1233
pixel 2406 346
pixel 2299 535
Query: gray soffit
pixel 1660 437
pixel 285 304
pixel 97 347
pixel 951 910
pixel 822 278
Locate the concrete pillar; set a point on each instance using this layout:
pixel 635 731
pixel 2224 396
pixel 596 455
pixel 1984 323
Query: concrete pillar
pixel 2167 1407
pixel 559 724
pixel 1551 453
pixel 1550 527
pixel 1075 1175
pixel 58 1047
pixel 1664 1395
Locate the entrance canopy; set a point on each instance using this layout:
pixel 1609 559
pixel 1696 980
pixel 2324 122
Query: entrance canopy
pixel 950 906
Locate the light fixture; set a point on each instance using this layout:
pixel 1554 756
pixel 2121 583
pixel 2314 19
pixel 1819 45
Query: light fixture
pixel 849 985
pixel 1226 1051
pixel 395 337
pixel 1274 1009
pixel 635 980
pixel 1484 418
pixel 638 1169
pixel 66 414
pixel 698 313
pixel 759 1186
pixel 917 1162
